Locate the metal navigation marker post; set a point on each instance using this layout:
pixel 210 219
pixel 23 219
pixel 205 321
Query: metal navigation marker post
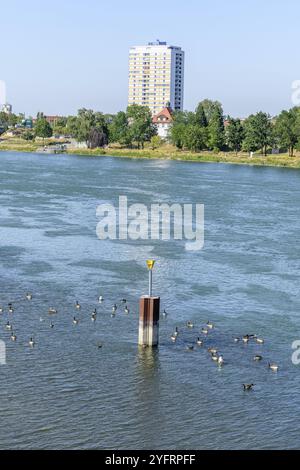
pixel 149 314
pixel 150 264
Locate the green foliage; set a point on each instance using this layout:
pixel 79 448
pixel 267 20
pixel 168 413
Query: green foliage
pixel 177 134
pixel 287 129
pixel 43 128
pixel 141 128
pixel 200 116
pixel 90 127
pixel 155 142
pixel 234 134
pixel 119 129
pixel 195 137
pixel 209 108
pixel 28 136
pixel 216 134
pixel 258 133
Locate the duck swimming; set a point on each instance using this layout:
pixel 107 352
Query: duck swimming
pixel 28 296
pixel 204 331
pixel 52 311
pixel 51 325
pixel 31 343
pixel 210 325
pixel 190 324
pixel 259 340
pixel 1 310
pixel 114 309
pixel 173 338
pixel 273 367
pixel 126 310
pixel 212 350
pixel 190 348
pixel 220 360
pixel 199 342
pixel 75 321
pixel 13 337
pixel 236 340
pixel 8 326
pixel 10 308
pixel 258 358
pixel 77 305
pixel 100 299
pixel 164 314
pixel 248 387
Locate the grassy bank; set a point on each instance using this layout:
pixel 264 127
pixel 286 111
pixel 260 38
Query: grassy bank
pixel 166 152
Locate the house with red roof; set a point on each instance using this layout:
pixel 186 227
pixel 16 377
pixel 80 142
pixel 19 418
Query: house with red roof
pixel 163 122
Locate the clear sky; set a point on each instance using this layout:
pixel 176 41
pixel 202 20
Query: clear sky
pixel 61 55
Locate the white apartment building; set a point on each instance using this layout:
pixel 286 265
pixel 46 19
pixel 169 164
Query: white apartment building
pixel 156 76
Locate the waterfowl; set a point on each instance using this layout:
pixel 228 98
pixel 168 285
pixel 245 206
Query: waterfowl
pixel 164 314
pixel 173 338
pixel 258 358
pixel 190 324
pixel 51 325
pixel 1 310
pixel 199 342
pixel 52 311
pixel 204 331
pixel 77 305
pixel 123 301
pixel 8 326
pixel 212 350
pixel 210 325
pixel 94 316
pixel 259 340
pixel 220 360
pixel 13 337
pixel 31 343
pixel 214 357
pixel 236 340
pixel 274 367
pixel 75 321
pixel 10 308
pixel 114 309
pixel 100 299
pixel 190 348
pixel 126 310
pixel 99 345
pixel 246 339
pixel 28 296
pixel 176 332
pixel 248 387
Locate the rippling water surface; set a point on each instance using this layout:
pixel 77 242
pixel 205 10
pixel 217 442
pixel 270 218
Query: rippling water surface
pixel 67 393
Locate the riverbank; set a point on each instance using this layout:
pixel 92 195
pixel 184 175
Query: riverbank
pixel 166 152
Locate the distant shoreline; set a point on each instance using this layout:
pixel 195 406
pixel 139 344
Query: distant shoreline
pixel 281 160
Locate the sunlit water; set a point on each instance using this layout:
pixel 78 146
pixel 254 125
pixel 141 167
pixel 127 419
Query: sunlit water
pixel 67 393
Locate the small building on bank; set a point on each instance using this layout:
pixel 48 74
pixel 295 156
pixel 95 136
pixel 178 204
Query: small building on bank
pixel 163 122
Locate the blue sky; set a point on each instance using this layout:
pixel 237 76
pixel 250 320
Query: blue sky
pixel 61 55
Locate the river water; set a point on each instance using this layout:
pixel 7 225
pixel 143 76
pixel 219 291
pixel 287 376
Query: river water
pixel 68 393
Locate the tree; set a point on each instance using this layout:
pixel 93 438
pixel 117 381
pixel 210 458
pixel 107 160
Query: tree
pixel 141 127
pixel 287 129
pixel 258 133
pixel 43 128
pixel 216 130
pixel 234 134
pixel 200 117
pixel 155 142
pixel 177 134
pixel 209 108
pixel 90 127
pixel 195 137
pixel 119 129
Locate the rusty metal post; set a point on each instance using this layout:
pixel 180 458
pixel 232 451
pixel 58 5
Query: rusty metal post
pixel 149 315
pixel 149 321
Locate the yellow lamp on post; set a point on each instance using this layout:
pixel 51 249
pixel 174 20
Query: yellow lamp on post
pixel 150 266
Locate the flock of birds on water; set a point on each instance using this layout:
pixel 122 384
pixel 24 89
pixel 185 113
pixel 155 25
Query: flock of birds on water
pixel 214 353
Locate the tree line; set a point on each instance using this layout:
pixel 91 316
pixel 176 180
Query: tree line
pixel 204 129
